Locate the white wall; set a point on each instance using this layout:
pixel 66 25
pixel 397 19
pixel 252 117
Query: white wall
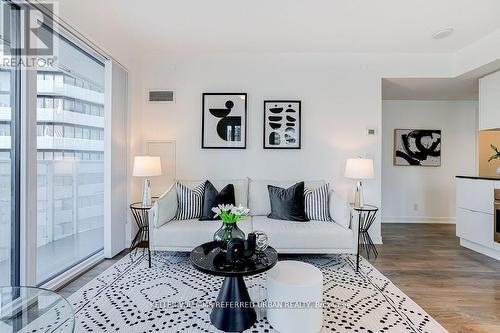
pixel 340 94
pixel 432 190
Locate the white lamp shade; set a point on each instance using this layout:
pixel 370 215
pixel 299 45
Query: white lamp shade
pixel 359 168
pixel 147 166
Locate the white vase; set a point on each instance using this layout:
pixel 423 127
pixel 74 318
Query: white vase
pixel 498 171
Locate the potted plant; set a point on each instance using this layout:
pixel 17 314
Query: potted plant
pixel 495 156
pixel 229 215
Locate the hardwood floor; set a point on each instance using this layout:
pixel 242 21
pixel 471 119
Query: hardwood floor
pixel 458 287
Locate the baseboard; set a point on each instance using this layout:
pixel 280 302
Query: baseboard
pixel 71 274
pixel 480 249
pixel 412 219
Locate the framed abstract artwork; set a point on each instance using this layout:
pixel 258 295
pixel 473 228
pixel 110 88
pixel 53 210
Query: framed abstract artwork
pixel 282 125
pixel 224 120
pixel 417 147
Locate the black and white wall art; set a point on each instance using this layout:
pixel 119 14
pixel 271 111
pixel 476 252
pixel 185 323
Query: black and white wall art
pixel 282 124
pixel 417 147
pixel 224 120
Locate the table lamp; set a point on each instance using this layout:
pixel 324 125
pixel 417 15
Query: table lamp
pixel 147 166
pixel 359 168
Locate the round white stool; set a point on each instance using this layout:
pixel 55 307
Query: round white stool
pixel 294 296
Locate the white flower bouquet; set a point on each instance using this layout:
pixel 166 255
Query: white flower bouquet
pixel 231 214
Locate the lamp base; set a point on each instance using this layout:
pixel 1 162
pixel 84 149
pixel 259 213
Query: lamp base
pixel 146 193
pixel 358 195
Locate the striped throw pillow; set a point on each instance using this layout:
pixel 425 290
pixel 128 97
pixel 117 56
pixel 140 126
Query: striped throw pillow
pixel 189 201
pixel 316 203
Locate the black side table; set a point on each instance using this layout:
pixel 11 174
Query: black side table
pixel 233 310
pixel 141 239
pixel 366 217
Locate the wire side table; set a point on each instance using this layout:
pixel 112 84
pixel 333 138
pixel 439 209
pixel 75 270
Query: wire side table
pixel 366 217
pixel 141 217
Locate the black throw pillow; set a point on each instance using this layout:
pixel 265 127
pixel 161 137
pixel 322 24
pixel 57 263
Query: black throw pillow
pixel 213 198
pixel 287 204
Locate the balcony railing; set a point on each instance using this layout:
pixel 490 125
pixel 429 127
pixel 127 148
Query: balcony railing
pixel 48 87
pixel 69 117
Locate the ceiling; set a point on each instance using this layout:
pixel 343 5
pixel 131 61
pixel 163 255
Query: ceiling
pixel 463 87
pixel 430 89
pixel 126 27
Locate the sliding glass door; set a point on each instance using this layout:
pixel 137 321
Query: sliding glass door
pixel 70 159
pixel 9 151
pixel 67 96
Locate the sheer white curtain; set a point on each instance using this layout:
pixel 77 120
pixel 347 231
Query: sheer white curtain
pixel 115 173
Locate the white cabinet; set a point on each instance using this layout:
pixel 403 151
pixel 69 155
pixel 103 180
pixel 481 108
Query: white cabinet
pixel 475 194
pixel 489 102
pixel 475 219
pixel 476 227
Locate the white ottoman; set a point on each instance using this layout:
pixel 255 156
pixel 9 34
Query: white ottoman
pixel 298 283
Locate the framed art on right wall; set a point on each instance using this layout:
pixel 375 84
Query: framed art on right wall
pixel 282 124
pixel 417 147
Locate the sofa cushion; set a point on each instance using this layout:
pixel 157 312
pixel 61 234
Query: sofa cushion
pixel 240 188
pixel 289 235
pixel 188 234
pixel 339 208
pixel 213 198
pixel 258 195
pixel 316 203
pixel 189 201
pixel 165 207
pixel 287 204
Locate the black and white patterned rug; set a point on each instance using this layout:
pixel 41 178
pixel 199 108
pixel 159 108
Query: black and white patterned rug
pixel 172 297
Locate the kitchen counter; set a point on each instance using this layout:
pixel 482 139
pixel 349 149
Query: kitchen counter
pixel 480 177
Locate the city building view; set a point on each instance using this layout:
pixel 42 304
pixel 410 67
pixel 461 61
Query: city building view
pixel 70 162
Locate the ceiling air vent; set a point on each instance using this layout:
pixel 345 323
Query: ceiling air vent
pixel 161 96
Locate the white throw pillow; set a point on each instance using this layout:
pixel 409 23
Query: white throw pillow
pixel 165 207
pixel 316 203
pixel 339 210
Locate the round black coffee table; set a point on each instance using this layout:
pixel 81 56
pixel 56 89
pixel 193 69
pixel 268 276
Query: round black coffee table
pixel 233 311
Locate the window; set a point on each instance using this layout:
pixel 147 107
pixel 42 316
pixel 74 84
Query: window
pixel 49 102
pixel 94 134
pixel 69 155
pixel 58 131
pixel 5 129
pixel 69 105
pixel 95 110
pixel 48 155
pixel 78 106
pixel 69 80
pixel 78 132
pixel 58 155
pixel 66 170
pixel 69 132
pixel 58 81
pixel 65 239
pixel 48 130
pixel 57 103
pixel 86 133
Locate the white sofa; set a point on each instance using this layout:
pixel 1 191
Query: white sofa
pixel 285 236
